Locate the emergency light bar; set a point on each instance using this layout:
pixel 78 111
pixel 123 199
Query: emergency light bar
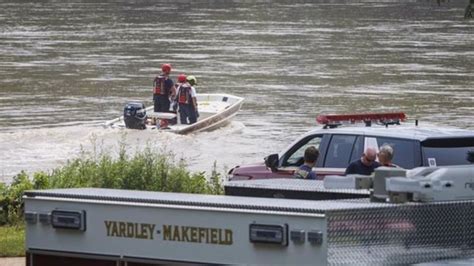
pixel 384 118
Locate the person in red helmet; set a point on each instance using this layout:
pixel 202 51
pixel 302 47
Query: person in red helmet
pixel 181 78
pixel 186 98
pixel 174 103
pixel 163 90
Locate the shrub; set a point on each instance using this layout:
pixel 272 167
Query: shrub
pixel 145 170
pixel 11 199
pixel 3 204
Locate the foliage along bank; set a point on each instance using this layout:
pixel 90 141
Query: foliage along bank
pixel 145 170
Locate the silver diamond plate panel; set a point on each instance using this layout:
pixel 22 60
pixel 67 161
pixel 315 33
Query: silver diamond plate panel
pixel 291 185
pixel 235 202
pixel 401 234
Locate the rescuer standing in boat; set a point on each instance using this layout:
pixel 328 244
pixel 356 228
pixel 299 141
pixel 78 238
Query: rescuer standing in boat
pixel 163 90
pixel 193 82
pixel 186 97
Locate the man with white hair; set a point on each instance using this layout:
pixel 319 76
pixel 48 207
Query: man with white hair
pixel 365 165
pixel 386 155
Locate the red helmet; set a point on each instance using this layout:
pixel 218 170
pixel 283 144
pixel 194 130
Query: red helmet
pixel 181 78
pixel 166 68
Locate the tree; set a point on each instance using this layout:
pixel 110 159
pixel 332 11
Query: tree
pixel 469 9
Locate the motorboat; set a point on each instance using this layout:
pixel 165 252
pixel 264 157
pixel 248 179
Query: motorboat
pixel 215 110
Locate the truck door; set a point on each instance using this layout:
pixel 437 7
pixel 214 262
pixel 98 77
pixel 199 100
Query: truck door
pixel 294 157
pixel 406 152
pixel 340 150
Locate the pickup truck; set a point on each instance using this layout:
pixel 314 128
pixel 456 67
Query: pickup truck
pixel 414 146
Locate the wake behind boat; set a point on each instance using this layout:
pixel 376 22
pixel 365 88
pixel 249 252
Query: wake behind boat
pixel 215 110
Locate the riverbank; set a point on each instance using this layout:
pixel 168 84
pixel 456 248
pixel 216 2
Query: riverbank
pixel 144 170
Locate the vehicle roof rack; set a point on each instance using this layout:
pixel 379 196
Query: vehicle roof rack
pixel 386 119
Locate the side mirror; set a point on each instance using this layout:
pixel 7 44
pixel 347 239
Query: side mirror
pixel 271 161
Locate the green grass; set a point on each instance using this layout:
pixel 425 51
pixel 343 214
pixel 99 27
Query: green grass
pixel 12 241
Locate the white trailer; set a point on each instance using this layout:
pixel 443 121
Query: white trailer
pixel 89 226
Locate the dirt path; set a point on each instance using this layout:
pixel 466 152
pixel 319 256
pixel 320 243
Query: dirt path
pixel 20 261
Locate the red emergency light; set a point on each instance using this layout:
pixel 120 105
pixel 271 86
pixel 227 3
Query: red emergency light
pixel 384 118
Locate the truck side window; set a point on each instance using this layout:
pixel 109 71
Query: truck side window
pixel 339 151
pixel 447 151
pixel 403 151
pixel 358 149
pixel 295 157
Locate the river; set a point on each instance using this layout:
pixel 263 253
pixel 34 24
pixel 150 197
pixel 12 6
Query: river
pixel 68 66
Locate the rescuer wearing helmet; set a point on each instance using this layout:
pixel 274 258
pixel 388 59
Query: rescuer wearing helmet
pixel 163 90
pixel 193 81
pixel 186 97
pixel 182 79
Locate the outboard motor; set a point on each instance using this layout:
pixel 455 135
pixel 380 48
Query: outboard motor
pixel 134 115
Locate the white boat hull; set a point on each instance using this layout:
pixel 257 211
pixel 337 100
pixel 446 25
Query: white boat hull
pixel 215 110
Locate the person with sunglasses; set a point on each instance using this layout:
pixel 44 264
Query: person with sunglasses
pixel 365 165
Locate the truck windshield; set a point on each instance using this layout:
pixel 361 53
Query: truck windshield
pixel 447 151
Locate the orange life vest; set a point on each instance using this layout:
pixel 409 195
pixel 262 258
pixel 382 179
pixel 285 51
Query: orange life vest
pixel 184 94
pixel 160 85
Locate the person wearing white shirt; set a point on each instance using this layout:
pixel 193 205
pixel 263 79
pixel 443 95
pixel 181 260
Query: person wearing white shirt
pixel 186 96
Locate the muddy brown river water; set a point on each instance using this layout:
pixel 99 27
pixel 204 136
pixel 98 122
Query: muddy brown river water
pixel 67 66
